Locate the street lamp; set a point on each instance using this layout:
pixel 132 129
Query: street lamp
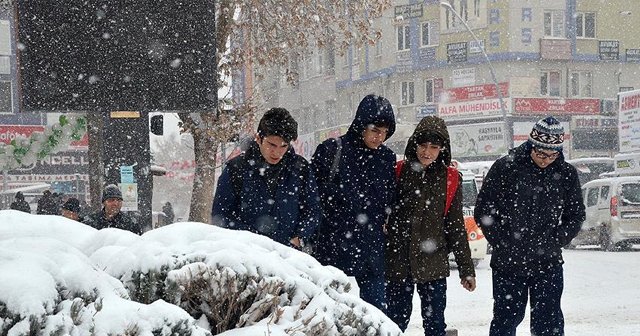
pixel 507 139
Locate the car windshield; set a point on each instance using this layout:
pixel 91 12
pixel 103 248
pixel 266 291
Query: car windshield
pixel 469 193
pixel 630 194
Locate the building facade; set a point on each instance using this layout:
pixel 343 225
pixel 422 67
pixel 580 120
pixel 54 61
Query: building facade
pixel 567 58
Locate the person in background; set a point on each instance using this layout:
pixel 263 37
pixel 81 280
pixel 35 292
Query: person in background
pixel 424 227
pixel 529 207
pixel 20 204
pixel 167 209
pixel 47 205
pixel 111 215
pixel 356 180
pixel 269 189
pixel 71 209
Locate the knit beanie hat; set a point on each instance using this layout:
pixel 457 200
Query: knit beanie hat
pixel 111 191
pixel 277 121
pixel 547 133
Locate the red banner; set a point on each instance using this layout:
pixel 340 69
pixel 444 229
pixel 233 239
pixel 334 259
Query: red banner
pixel 555 106
pixel 10 132
pixel 475 92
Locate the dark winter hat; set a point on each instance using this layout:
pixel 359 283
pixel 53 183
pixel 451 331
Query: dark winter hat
pixel 547 133
pixel 430 137
pixel 111 191
pixel 19 195
pixel 279 122
pixel 72 204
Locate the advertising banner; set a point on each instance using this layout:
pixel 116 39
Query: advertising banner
pixel 473 108
pixel 10 132
pixel 556 106
pixel 477 139
pixel 474 92
pixel 629 121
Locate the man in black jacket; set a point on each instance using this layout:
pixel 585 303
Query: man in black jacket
pixel 530 206
pixel 110 216
pixel 20 204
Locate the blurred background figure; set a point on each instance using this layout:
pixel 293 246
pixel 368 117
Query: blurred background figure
pixel 20 204
pixel 47 205
pixel 71 209
pixel 167 209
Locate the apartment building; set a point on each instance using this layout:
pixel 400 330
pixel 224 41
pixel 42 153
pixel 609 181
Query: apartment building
pixel 567 58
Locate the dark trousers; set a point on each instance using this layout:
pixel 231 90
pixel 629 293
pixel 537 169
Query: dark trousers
pixel 372 290
pixel 510 293
pixel 433 301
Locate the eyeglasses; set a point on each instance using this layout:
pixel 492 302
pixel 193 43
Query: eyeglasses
pixel 544 156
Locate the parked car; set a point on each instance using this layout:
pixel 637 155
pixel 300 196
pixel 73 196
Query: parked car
pixel 613 213
pixel 590 169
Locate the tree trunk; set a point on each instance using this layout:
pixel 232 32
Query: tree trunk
pixel 96 162
pixel 205 148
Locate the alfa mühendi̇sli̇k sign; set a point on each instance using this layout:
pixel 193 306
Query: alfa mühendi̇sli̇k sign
pixel 473 101
pixel 523 106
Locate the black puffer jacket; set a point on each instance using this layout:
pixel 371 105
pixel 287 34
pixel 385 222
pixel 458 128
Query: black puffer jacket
pixel 528 213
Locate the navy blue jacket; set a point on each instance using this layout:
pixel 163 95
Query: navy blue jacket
pixel 527 213
pixel 356 201
pixel 278 201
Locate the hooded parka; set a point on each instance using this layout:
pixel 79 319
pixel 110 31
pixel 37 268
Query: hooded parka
pixel 357 195
pixel 420 237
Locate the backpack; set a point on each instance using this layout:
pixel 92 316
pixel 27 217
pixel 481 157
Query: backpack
pixel 453 179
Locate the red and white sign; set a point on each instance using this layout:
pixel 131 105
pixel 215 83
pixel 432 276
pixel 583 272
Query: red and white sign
pixel 475 108
pixel 475 92
pixel 10 132
pixel 555 106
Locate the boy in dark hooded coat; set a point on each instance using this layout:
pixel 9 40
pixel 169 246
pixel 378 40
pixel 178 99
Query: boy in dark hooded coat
pixel 355 174
pixel 421 235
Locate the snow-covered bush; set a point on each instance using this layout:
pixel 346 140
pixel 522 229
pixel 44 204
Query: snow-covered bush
pixel 182 279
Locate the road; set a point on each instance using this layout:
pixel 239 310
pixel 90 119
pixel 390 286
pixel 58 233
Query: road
pixel 601 297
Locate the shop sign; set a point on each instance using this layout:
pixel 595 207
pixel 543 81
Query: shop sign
pixel 556 106
pixel 475 92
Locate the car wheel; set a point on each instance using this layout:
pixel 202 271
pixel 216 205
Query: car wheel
pixel 605 239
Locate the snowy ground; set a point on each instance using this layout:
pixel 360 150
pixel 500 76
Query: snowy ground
pixel 601 297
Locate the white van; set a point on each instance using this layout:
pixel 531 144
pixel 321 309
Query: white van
pixel 613 213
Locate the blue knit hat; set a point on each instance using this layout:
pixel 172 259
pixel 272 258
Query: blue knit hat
pixel 547 133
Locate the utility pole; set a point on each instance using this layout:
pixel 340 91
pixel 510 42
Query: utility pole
pixel 508 136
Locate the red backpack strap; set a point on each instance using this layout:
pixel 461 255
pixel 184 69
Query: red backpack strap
pixel 399 166
pixel 453 178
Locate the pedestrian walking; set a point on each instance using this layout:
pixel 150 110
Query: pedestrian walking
pixel 269 189
pixel 356 180
pixel 111 215
pixel 529 207
pixel 20 204
pixel 425 226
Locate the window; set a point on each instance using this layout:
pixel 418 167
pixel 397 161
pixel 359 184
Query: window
pixel 404 41
pixel 604 193
pixel 429 91
pixel 592 196
pixel 408 94
pixel 586 25
pixel 525 35
pixel 5 97
pixel 494 39
pixel 550 83
pixel 526 14
pixel 494 16
pixel 581 84
pixel 426 38
pixel 378 48
pixel 554 23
